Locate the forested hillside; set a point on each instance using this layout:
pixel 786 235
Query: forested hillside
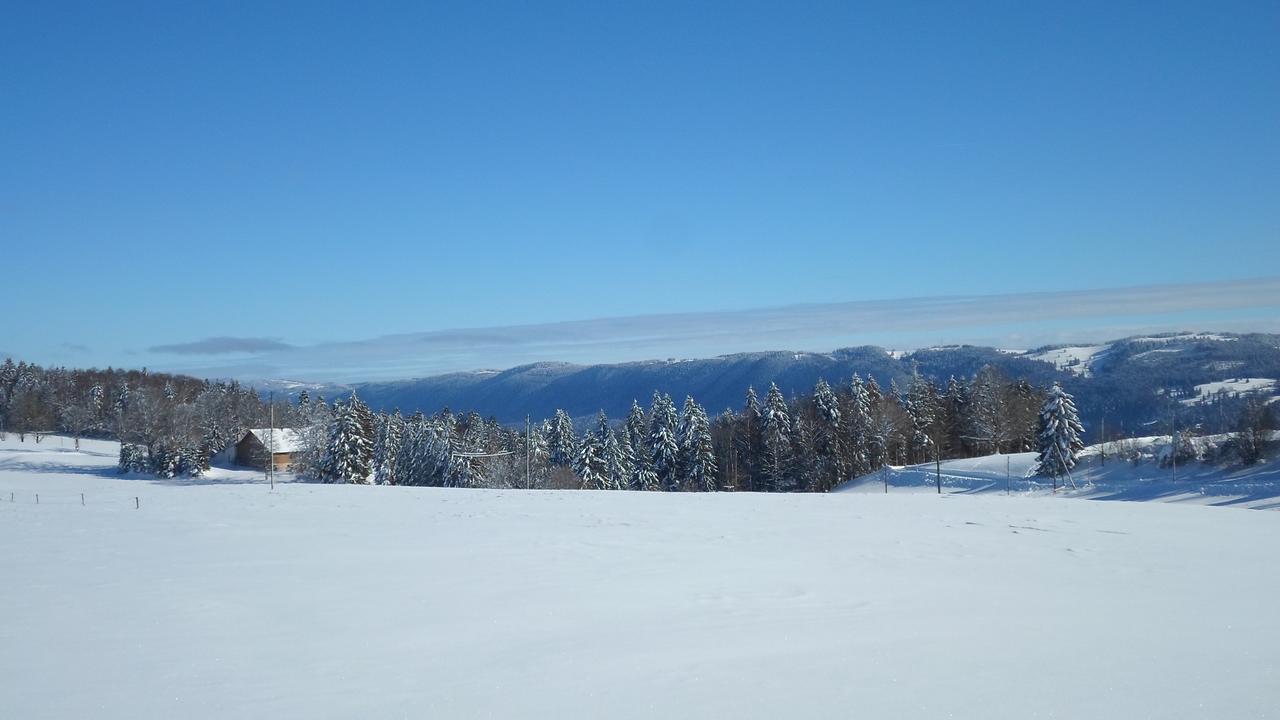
pixel 1127 386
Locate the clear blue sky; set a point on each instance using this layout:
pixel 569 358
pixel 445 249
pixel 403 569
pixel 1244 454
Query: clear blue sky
pixel 313 172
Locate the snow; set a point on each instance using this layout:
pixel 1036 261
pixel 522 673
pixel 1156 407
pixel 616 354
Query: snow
pixel 1183 337
pixel 281 440
pixel 221 598
pixel 1076 358
pixel 1235 386
pixel 1117 478
pixel 1157 351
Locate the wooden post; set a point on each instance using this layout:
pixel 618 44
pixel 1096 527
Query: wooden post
pixel 137 504
pixel 37 498
pixel 81 499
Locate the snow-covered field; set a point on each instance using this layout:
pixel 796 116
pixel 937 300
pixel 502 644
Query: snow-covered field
pixel 1235 386
pixel 1076 358
pixel 222 598
pixel 1194 483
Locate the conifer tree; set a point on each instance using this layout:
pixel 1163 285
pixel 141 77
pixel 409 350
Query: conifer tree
pixel 922 409
pixel 637 445
pixel 955 407
pixel 877 431
pixel 386 448
pixel 697 451
pixel 986 417
pixel 615 461
pixel 828 456
pixel 802 475
pixel 587 463
pixel 775 421
pixel 663 448
pixel 751 442
pixel 561 440
pixel 347 457
pixel 859 426
pixel 1059 437
pixel 635 426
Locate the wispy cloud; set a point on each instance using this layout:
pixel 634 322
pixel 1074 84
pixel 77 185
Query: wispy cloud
pixel 223 346
pixel 76 347
pixel 1022 320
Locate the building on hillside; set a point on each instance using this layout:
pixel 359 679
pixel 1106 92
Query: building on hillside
pixel 256 445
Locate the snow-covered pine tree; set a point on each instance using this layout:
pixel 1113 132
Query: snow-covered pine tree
pixel 1059 437
pixel 386 448
pixel 828 455
pixel 1023 407
pixel 636 426
pixel 349 449
pixel 313 440
pixel 562 442
pixel 539 455
pixel 637 435
pixel 921 406
pixel 409 458
pixel 697 451
pixel 802 475
pixel 955 407
pixel 775 421
pixel 986 422
pixel 751 443
pixel 587 463
pixel 878 432
pixel 615 462
pixel 859 426
pixel 663 448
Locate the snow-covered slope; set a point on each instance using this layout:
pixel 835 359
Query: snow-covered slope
pixel 1234 386
pixel 1114 478
pixel 229 600
pixel 1074 358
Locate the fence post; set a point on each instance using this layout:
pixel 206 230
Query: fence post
pixel 37 498
pixel 137 504
pixel 81 499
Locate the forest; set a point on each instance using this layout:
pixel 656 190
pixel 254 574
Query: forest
pixel 171 425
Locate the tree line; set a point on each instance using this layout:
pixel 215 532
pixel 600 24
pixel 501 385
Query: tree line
pixel 771 444
pixel 172 425
pixel 167 424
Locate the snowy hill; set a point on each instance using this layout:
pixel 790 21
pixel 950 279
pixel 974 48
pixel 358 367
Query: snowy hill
pixel 221 598
pixel 1116 477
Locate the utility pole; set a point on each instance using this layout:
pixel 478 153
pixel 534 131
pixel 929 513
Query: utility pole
pixel 271 441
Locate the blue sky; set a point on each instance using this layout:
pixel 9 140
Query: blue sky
pixel 315 173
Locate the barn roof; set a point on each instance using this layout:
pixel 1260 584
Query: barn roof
pixel 285 440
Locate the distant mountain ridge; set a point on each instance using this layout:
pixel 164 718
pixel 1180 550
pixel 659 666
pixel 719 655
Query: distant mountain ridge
pixel 1128 382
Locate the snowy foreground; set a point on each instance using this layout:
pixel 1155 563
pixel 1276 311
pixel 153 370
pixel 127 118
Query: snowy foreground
pixel 225 599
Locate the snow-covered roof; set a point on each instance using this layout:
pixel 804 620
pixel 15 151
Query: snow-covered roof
pixel 280 440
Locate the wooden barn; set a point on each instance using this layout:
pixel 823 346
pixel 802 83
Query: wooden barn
pixel 253 449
